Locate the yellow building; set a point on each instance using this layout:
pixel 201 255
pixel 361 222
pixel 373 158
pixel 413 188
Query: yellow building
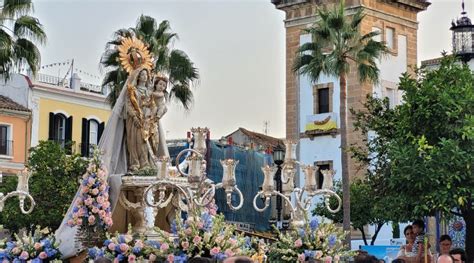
pixel 70 112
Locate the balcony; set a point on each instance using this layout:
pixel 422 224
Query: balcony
pixel 6 148
pixel 321 124
pixel 65 83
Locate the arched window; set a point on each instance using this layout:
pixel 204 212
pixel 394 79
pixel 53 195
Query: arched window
pixel 60 128
pixel 91 131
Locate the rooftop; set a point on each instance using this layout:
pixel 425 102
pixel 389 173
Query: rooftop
pixel 9 104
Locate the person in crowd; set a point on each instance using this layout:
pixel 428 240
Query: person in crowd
pixel 458 254
pixel 445 243
pixel 406 250
pixel 445 259
pixel 419 231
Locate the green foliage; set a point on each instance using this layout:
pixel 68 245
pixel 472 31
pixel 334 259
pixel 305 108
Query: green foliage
pixel 421 158
pixel 159 39
pixel 18 34
pixel 52 185
pixel 363 212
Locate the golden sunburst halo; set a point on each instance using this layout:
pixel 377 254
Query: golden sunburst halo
pixel 133 54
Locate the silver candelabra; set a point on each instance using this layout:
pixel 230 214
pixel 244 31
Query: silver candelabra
pixel 298 199
pixel 199 191
pixel 21 191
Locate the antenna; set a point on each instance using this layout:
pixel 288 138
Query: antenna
pixel 265 127
pixel 463 11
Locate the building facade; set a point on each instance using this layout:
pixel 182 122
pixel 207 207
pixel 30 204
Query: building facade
pixel 15 136
pixel 71 113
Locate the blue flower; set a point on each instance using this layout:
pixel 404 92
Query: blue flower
pixel 136 250
pixel 309 253
pixel 332 240
pixel 46 242
pixel 181 258
pixel 153 243
pixel 301 232
pixel 220 256
pixel 51 252
pixel 10 245
pixel 121 239
pixel 174 228
pixel 36 260
pixel 107 242
pixel 120 257
pixel 314 224
pixel 93 252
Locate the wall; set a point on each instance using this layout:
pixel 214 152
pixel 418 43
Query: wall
pixel 78 111
pixel 20 134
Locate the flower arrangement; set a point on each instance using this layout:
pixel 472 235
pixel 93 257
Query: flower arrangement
pixel 312 242
pixel 203 235
pixel 92 207
pixel 39 246
pixel 126 248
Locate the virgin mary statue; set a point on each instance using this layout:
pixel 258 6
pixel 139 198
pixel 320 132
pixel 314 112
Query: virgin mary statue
pixel 126 145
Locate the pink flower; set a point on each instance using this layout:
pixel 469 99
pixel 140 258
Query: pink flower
pixel 171 258
pixel 88 201
pixel 197 240
pixel 43 255
pixel 24 255
pixel 116 260
pixel 301 257
pixel 152 257
pixel 164 247
pixel 102 187
pixel 229 253
pixel 90 181
pixel 131 258
pixel 95 191
pixel 123 247
pixel 91 220
pixel 111 246
pixel 84 189
pixel 70 222
pixel 215 250
pixel 95 210
pixel 185 245
pixel 298 242
pixel 212 211
pixel 16 250
pixel 37 246
pixel 201 225
pixel 233 242
pixel 328 259
pixel 79 201
pixel 106 205
pixel 79 221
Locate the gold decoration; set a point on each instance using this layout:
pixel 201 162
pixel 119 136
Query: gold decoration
pixel 133 54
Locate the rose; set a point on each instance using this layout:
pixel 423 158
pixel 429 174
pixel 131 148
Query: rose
pixel 16 250
pixel 43 255
pixel 170 258
pixel 95 191
pixel 197 240
pixel 215 250
pixel 229 252
pixel 24 255
pixel 123 247
pixel 318 254
pixel 301 257
pixel 91 220
pixel 95 210
pixel 185 245
pixel 37 246
pixel 70 222
pixel 131 258
pixel 152 257
pixel 298 242
pixel 164 247
pixel 111 246
pixel 328 259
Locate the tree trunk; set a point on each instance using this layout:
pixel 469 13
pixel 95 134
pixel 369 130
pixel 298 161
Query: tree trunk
pixel 346 201
pixel 361 229
pixel 469 244
pixel 377 230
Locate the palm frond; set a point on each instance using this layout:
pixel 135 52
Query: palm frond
pixel 357 18
pixel 26 52
pixel 6 60
pixel 29 27
pixel 181 68
pixel 368 72
pixel 110 58
pixel 115 79
pixel 183 94
pixel 14 8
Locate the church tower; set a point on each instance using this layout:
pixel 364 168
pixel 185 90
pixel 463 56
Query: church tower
pixel 309 104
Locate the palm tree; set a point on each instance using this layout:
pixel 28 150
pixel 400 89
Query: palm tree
pixel 180 69
pixel 18 34
pixel 337 46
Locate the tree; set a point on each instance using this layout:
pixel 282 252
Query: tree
pixel 52 185
pixel 18 34
pixel 337 46
pixel 430 146
pixel 159 38
pixel 362 212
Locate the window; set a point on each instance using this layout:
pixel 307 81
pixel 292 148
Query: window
pixel 5 142
pixel 323 165
pixel 389 37
pixel 322 98
pixel 91 133
pixel 392 97
pixel 378 37
pixel 60 130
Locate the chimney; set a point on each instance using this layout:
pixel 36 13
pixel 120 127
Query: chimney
pixel 75 82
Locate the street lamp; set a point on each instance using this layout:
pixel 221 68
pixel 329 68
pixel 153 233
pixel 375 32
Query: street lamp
pixel 298 199
pixel 278 157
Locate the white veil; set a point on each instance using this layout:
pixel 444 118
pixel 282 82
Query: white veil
pixel 112 146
